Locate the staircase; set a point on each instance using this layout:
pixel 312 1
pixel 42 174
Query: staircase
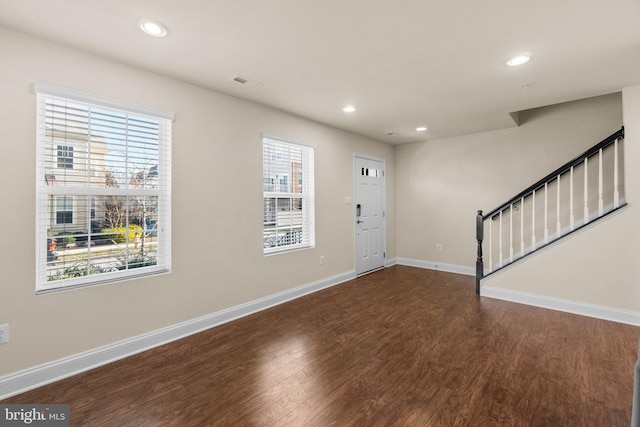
pixel 581 192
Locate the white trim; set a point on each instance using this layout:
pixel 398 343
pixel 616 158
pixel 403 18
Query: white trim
pixel 274 137
pixel 102 279
pixel 434 265
pixel 102 101
pixel 277 250
pixel 47 206
pixel 575 307
pixel 390 262
pixel 271 146
pixel 37 376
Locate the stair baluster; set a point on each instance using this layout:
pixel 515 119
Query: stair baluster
pixel 527 200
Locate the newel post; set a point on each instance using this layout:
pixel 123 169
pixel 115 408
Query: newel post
pixel 479 262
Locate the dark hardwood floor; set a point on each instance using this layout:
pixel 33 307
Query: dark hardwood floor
pixel 399 347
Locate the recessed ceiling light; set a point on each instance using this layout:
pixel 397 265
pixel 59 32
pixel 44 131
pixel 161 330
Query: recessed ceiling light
pixel 421 128
pixel 152 28
pixel 349 109
pixel 518 60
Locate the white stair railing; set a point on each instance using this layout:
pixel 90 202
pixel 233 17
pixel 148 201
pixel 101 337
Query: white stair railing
pixel 581 173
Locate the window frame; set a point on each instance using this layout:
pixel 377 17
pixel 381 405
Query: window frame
pixel 48 188
pixel 272 199
pixel 64 156
pixel 56 209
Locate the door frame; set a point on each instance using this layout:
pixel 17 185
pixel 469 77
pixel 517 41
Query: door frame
pixel 384 210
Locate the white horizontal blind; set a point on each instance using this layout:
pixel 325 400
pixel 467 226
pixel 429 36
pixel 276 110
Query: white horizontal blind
pixel 288 189
pixel 103 189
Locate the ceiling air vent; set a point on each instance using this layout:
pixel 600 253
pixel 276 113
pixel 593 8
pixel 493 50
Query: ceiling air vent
pixel 245 81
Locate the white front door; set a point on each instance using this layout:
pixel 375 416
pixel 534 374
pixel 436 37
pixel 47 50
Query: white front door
pixel 369 214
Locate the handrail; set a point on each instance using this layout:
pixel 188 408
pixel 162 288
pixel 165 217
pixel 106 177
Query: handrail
pixel 582 159
pixel 562 169
pixel 479 261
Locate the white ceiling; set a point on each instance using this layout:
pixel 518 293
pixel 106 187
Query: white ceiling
pixel 402 63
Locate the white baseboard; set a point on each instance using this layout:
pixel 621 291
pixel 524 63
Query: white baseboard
pixel 390 262
pixel 581 308
pixel 31 378
pixel 434 265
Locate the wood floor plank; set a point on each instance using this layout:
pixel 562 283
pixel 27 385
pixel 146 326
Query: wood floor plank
pixel 398 347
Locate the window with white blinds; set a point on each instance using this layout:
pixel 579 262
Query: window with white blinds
pixel 288 193
pixel 103 190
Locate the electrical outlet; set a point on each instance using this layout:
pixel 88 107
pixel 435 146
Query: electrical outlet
pixel 4 333
pixel 439 247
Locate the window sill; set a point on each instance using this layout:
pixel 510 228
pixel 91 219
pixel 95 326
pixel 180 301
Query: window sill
pixel 278 251
pixel 98 281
